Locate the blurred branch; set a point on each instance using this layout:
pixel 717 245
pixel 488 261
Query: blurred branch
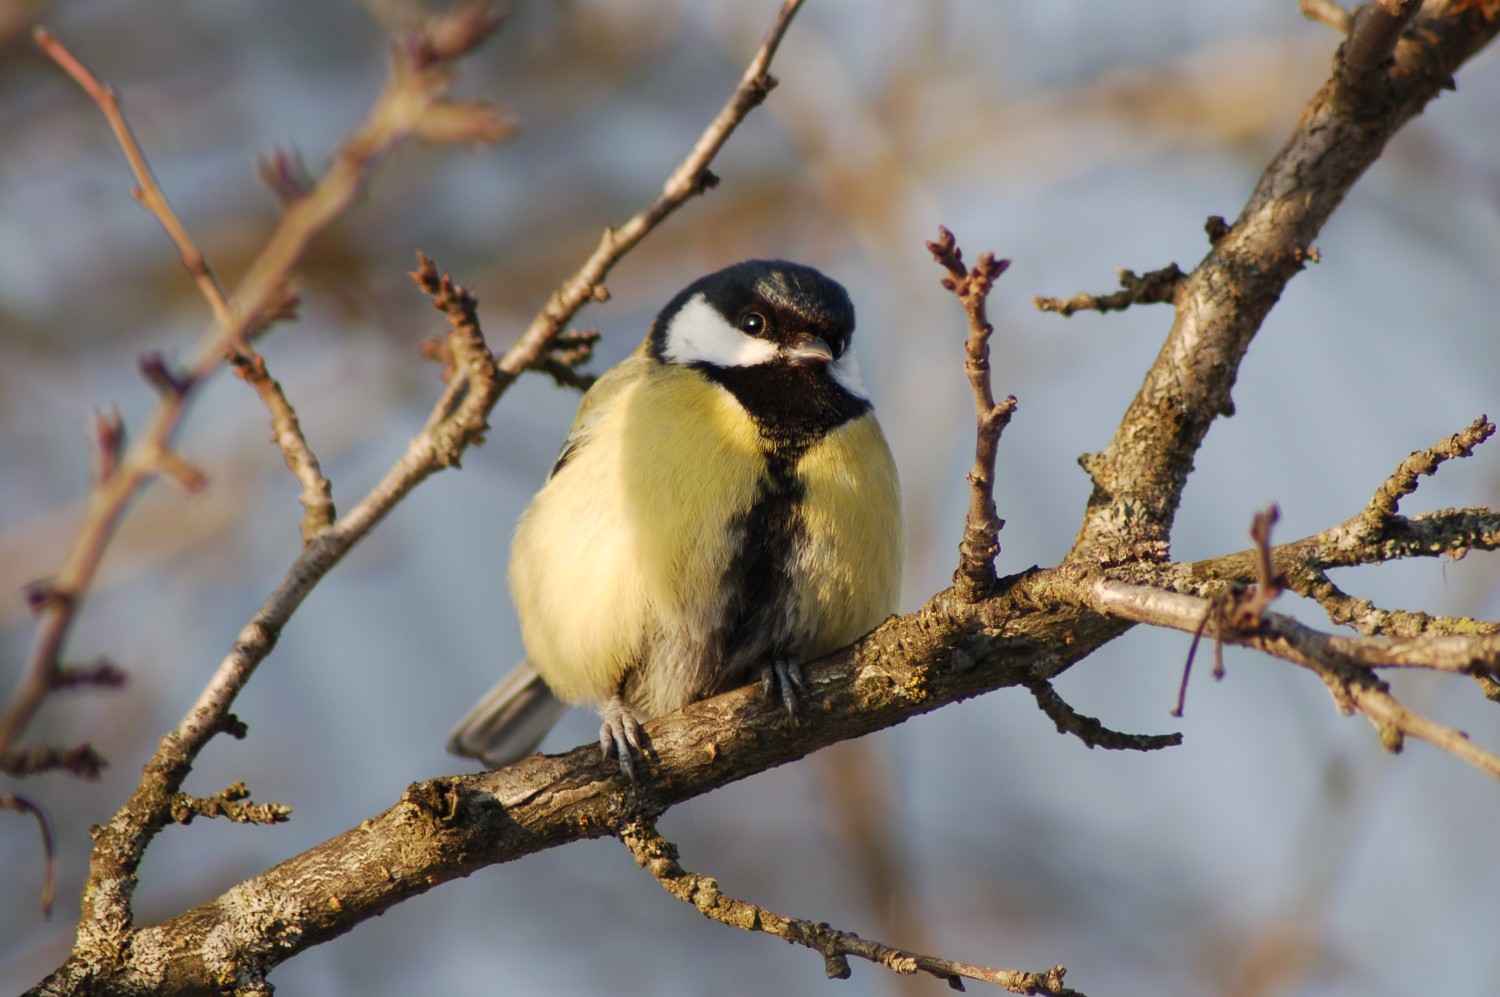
pixel 1140 475
pixel 421 74
pixel 658 856
pixel 49 859
pixel 1326 12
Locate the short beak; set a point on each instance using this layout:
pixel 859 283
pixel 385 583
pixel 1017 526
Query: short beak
pixel 808 351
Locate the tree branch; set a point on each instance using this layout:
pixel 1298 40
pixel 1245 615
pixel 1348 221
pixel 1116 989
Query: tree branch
pixel 1154 287
pixel 1343 663
pixel 658 856
pixel 420 77
pixel 975 576
pixel 1138 478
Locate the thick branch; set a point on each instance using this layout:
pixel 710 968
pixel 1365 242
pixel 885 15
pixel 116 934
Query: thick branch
pixel 1139 477
pixel 1037 626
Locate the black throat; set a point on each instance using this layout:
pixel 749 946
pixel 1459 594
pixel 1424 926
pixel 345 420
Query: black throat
pixel 793 406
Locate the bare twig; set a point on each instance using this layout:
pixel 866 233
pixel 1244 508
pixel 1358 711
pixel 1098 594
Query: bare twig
pixel 228 802
pixel 49 862
pixel 1212 610
pixel 1090 731
pixel 1344 663
pixel 80 760
pixel 570 350
pixel 975 576
pixel 1153 287
pixel 1372 620
pixel 1403 481
pixel 691 177
pixel 1326 12
pixel 659 857
pixel 1267 587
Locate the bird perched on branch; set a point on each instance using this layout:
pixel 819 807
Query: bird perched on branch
pixel 725 507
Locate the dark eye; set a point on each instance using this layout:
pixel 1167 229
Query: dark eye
pixel 753 324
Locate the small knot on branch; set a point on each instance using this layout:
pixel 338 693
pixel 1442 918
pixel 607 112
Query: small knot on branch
pixel 228 802
pixel 160 375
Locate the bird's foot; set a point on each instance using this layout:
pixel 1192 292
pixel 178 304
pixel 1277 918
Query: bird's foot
pixel 781 678
pixel 621 735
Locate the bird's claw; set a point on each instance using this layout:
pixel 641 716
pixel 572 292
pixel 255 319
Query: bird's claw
pixel 783 676
pixel 620 734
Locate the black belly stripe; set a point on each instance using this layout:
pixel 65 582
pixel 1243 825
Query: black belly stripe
pixel 794 407
pixel 758 580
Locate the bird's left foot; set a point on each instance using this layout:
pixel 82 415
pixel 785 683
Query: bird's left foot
pixel 782 679
pixel 621 735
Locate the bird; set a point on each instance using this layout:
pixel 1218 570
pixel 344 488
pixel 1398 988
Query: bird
pixel 724 508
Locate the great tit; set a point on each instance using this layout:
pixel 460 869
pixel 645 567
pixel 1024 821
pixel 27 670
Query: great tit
pixel 724 507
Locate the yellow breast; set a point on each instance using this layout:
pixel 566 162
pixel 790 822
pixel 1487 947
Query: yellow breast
pixel 621 557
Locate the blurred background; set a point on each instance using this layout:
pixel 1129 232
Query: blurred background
pixel 1278 851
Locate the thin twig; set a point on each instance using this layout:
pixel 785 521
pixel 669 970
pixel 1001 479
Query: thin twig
pixel 1090 731
pixel 691 177
pixel 1326 12
pixel 1374 621
pixel 1154 287
pixel 1267 587
pixel 1345 664
pixel 229 802
pixel 659 857
pixel 975 577
pixel 49 861
pixel 1384 505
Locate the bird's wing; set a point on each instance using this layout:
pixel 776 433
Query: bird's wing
pixel 598 399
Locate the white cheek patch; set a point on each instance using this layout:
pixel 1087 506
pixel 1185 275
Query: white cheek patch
pixel 845 370
pixel 699 334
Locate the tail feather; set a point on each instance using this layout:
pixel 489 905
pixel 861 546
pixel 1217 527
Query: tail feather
pixel 508 721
